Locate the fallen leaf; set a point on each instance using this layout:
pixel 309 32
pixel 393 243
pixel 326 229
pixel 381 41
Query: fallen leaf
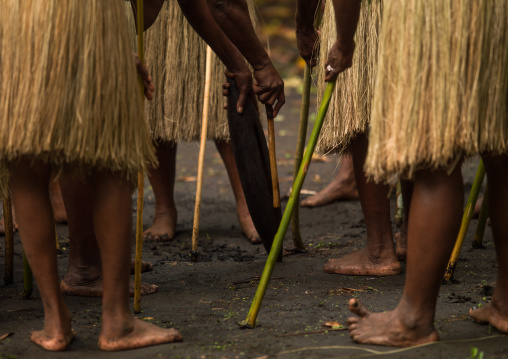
pixel 6 335
pixel 331 325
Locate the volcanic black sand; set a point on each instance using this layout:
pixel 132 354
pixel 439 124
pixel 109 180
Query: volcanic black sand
pixel 205 300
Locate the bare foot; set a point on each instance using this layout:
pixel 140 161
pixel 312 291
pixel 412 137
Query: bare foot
pixel 57 333
pixel 392 328
pixel 491 314
pixel 163 227
pixel 477 208
pixel 341 188
pixel 76 285
pixel 247 225
pixel 145 266
pixel 139 335
pixel 361 263
pixel 401 250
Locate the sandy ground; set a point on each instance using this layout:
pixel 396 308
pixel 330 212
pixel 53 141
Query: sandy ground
pixel 205 300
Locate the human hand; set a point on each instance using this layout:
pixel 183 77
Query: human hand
pixel 308 45
pixel 269 87
pixel 339 59
pixel 243 80
pixel 145 76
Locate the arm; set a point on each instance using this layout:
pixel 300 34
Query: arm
pixel 201 20
pixel 340 56
pixel 233 18
pixel 306 34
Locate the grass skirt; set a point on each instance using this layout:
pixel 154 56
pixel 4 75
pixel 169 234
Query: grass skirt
pixel 69 91
pixel 176 59
pixel 349 111
pixel 442 86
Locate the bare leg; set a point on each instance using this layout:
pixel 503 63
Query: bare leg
pixel 162 180
pixel 378 257
pixel 55 195
pixel 401 237
pixel 434 220
pixel 341 188
pixel 226 151
pixel 496 312
pixel 29 185
pixel 112 220
pixel 84 269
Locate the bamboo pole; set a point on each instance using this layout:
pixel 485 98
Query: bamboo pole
pixel 250 322
pixel 28 279
pixel 482 220
pixel 302 134
pixel 9 241
pixel 466 219
pixel 141 176
pixel 399 205
pixel 204 133
pixel 273 156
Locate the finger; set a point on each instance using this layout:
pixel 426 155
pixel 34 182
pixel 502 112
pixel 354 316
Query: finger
pixel 143 71
pixel 258 90
pixel 358 308
pixel 225 107
pixel 225 93
pixel 226 85
pixel 242 98
pixel 281 100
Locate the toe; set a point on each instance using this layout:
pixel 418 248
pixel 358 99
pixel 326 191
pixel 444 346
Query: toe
pixel 352 321
pixel 358 308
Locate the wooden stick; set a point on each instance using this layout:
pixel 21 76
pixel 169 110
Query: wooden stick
pixel 250 322
pixel 202 146
pixel 399 205
pixel 273 157
pixel 466 219
pixel 9 241
pixel 482 220
pixel 56 238
pixel 141 176
pixel 300 146
pixel 28 279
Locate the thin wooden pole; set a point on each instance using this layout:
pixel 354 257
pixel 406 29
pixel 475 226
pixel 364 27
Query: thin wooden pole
pixel 300 145
pixel 9 241
pixel 250 322
pixel 28 278
pixel 202 147
pixel 466 219
pixel 482 220
pixel 141 176
pixel 273 157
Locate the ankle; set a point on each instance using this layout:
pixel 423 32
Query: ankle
pixel 415 318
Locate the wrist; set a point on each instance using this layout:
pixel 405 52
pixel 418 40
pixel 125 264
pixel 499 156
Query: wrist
pixel 263 64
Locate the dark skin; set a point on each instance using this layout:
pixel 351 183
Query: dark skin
pixel 341 188
pixel 378 258
pixel 306 34
pixel 226 30
pixel 162 179
pixel 434 219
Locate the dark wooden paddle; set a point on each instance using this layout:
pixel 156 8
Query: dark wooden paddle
pixel 253 163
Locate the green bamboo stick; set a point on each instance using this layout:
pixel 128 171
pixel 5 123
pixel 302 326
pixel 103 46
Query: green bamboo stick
pixel 28 279
pixel 250 322
pixel 466 219
pixel 302 134
pixel 482 220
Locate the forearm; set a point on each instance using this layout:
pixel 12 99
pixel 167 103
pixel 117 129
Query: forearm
pixel 201 20
pixel 233 18
pixel 305 12
pixel 347 13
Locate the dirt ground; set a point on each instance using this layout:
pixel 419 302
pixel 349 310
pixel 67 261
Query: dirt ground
pixel 205 300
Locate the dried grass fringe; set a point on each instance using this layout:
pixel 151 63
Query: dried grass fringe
pixel 69 92
pixel 442 86
pixel 349 111
pixel 176 58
